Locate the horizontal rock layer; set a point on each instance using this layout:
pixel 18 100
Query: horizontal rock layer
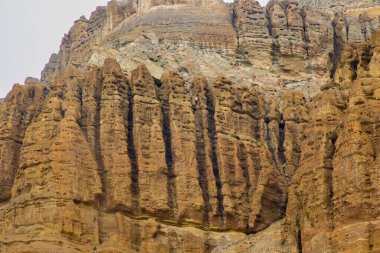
pixel 329 5
pixel 281 45
pixel 99 150
pixel 220 134
pixel 334 194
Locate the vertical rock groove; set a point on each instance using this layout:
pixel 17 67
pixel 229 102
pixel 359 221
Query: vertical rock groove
pixel 135 236
pixel 347 28
pixel 242 156
pixel 268 140
pixel 82 126
pixel 338 45
pixel 98 146
pixel 256 155
pixel 270 26
pixel 214 151
pixel 305 38
pixel 274 47
pixel 201 160
pixel 135 189
pixel 285 7
pixel 247 198
pixel 166 131
pixel 299 237
pixel 281 148
pixel 330 185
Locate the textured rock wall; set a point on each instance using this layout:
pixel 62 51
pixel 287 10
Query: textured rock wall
pixel 107 160
pixel 328 5
pixel 298 38
pixel 333 198
pixel 17 113
pixel 104 158
pixel 282 45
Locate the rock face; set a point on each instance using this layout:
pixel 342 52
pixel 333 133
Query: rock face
pixel 17 112
pixel 194 126
pixel 333 198
pixel 282 45
pixel 101 152
pixel 328 5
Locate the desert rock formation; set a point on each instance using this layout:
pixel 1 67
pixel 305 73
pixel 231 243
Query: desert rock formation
pixel 197 126
pixel 332 203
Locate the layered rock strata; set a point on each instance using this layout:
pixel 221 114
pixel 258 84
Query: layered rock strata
pixel 333 198
pixel 110 162
pixel 328 5
pixel 17 113
pixel 227 129
pixel 281 45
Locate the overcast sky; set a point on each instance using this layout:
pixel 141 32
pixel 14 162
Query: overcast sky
pixel 32 30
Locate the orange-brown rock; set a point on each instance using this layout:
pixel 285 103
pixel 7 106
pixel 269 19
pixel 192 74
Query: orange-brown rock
pixel 227 129
pixel 17 112
pixel 158 157
pixel 334 195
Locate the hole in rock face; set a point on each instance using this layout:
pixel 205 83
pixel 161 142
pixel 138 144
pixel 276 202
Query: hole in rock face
pixel 157 82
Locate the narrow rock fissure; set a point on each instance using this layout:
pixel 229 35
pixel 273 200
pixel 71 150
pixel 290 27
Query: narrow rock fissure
pixel 135 188
pixel 365 58
pixel 166 131
pixel 247 200
pixel 83 128
pixel 97 144
pixel 80 95
pixel 347 28
pixel 337 51
pixel 354 66
pixel 305 38
pixel 270 25
pixel 285 6
pixel 257 167
pixel 201 160
pixel 281 148
pixel 299 237
pixel 135 236
pixel 330 181
pixel 275 48
pixel 268 140
pixel 242 156
pixel 256 154
pixel 371 240
pixel 214 152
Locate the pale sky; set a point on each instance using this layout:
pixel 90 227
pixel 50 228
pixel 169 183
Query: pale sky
pixel 32 30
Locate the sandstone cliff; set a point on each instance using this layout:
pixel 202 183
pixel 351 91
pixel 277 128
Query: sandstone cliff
pixel 283 45
pixel 339 5
pixel 194 126
pixel 333 198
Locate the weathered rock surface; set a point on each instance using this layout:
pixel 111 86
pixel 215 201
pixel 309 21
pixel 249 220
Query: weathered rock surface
pixel 101 152
pixel 184 126
pixel 338 5
pixel 282 45
pixel 17 113
pixel 334 195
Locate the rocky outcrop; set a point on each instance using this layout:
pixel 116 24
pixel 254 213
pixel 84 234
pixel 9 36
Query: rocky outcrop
pixel 281 45
pixel 329 5
pixel 101 151
pixel 18 109
pixel 227 129
pixel 333 198
pixel 120 23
